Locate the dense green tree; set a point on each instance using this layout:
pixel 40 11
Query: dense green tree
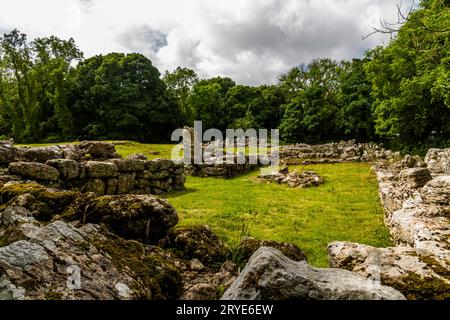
pixel 311 113
pixel 410 79
pixel 179 84
pixel 354 118
pixel 119 96
pixel 33 86
pixel 208 102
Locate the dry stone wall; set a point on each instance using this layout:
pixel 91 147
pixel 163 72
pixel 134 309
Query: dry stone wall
pixel 344 151
pixel 415 195
pixel 89 167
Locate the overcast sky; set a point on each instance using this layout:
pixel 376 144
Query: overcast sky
pixel 251 41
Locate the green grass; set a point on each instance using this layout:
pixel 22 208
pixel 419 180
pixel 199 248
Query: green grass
pixel 345 208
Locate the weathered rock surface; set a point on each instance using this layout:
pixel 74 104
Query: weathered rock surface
pixel 42 154
pixel 98 149
pixel 8 154
pixel 412 271
pixel 438 161
pixel 202 283
pixel 269 275
pixel 61 261
pixel 414 177
pixel 69 169
pixel 34 170
pixel 44 203
pixel 344 151
pixel 197 242
pixel 437 192
pixel 138 217
pixel 96 169
pixel 416 205
pixel 249 246
pixel 294 179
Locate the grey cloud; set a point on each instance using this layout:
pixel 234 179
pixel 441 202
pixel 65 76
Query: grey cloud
pixel 143 39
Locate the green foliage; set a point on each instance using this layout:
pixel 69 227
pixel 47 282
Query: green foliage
pixel 208 101
pixel 354 118
pixel 33 86
pixel 179 84
pixel 398 93
pixel 311 114
pixel 121 96
pixel 410 79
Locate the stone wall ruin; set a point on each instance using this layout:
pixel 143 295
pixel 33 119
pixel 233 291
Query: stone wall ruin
pixel 89 167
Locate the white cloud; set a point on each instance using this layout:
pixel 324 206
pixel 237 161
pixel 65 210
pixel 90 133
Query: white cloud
pixel 252 41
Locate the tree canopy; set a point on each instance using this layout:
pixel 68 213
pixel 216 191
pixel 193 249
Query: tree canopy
pixel 398 93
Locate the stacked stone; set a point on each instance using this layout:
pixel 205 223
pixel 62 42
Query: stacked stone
pixel 220 169
pixel 344 151
pixel 91 167
pixel 415 195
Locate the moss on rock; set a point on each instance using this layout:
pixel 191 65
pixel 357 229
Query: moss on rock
pixel 49 202
pixel 137 217
pixel 197 242
pixel 157 277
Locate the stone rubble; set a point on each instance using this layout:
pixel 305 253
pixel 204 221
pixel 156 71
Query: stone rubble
pixel 294 179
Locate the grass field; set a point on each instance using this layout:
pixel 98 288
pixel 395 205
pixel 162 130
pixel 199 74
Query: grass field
pixel 345 208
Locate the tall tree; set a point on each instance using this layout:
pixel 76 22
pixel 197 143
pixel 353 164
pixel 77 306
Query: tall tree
pixel 32 85
pixel 410 79
pixel 119 96
pixel 310 114
pixel 355 117
pixel 208 101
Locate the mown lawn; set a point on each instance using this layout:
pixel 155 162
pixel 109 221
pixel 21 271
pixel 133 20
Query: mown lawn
pixel 345 208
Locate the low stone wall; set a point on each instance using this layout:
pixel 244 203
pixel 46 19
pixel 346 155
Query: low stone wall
pixel 220 169
pixel 344 151
pixel 90 167
pixel 415 195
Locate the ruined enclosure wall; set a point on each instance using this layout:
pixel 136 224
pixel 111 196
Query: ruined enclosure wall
pixel 335 152
pixel 415 195
pixel 90 167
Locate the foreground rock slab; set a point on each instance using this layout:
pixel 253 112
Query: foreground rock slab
pixel 409 270
pixel 60 261
pixel 269 275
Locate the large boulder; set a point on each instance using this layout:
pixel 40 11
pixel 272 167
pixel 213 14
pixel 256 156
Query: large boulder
pixel 44 203
pixel 438 161
pixel 269 275
pixel 34 170
pixel 249 245
pixel 8 154
pixel 197 242
pixel 416 274
pixel 138 217
pixel 69 169
pixel 98 149
pixel 414 177
pixel 96 169
pixel 61 261
pixel 437 192
pixel 42 154
pixel 129 165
